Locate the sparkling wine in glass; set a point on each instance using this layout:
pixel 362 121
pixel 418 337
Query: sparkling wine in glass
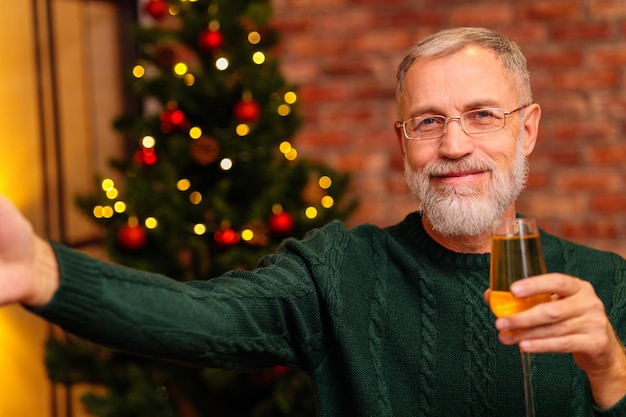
pixel 516 254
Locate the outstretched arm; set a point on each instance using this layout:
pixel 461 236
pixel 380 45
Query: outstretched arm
pixel 28 267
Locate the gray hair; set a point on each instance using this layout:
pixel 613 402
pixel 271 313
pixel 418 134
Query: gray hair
pixel 453 40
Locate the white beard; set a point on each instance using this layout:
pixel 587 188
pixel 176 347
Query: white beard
pixel 466 210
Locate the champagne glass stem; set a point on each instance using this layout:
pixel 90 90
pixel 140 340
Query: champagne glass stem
pixel 528 384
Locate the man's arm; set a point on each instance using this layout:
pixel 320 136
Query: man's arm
pixel 574 322
pixel 28 267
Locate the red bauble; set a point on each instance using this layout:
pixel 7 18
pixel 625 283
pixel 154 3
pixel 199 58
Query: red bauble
pixel 145 156
pixel 172 119
pixel 281 224
pixel 210 40
pixel 157 9
pixel 247 111
pixel 132 238
pixel 226 237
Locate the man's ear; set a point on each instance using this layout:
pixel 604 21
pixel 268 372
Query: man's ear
pixel 399 136
pixel 532 115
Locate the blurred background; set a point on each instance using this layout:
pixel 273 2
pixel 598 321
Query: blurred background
pixel 62 85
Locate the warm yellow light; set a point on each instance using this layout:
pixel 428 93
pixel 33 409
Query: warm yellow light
pixel 112 193
pixel 107 212
pixel 221 64
pixel 107 184
pixel 119 207
pixel 133 221
pixel 97 212
pixel 258 58
pixel 327 201
pixel 310 212
pixel 151 223
pixel 284 109
pixel 189 79
pixel 195 132
pixel 325 182
pixel 254 37
pixel 285 147
pixel 291 155
pixel 277 209
pixel 183 184
pixel 139 71
pixel 180 69
pixel 195 197
pixel 199 229
pixel 242 129
pixel 290 97
pixel 148 142
pixel 226 164
pixel 247 235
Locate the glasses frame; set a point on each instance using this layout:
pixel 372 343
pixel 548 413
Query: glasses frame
pixel 458 119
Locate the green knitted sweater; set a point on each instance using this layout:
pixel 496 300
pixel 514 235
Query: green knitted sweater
pixel 386 322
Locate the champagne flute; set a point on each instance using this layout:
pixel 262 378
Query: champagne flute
pixel 516 254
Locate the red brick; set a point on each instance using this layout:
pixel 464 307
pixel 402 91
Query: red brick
pixel 585 79
pixel 587 130
pixel 591 181
pixel 582 31
pixel 609 203
pixel 614 154
pixel 489 15
pixel 607 9
pixel 577 229
pixel 555 57
pixel 546 10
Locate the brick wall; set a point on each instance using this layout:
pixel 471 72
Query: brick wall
pixel 343 54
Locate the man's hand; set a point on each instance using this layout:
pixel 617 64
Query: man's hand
pixel 28 268
pixel 575 322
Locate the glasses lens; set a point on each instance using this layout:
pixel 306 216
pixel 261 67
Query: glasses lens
pixel 428 127
pixel 483 120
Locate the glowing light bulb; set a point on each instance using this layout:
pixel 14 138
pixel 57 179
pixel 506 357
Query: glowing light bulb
pixel 139 71
pixel 310 212
pixel 195 132
pixel 221 64
pixel 226 164
pixel 284 109
pixel 290 97
pixel 148 142
pixel 180 69
pixel 258 58
pixel 325 182
pixel 254 37
pixel 151 223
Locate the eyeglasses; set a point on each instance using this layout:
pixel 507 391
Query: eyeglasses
pixel 472 122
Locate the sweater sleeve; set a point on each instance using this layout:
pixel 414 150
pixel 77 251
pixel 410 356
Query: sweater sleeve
pixel 618 410
pixel 242 320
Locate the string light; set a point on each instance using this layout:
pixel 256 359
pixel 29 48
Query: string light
pixel 288 151
pixel 284 110
pixel 108 184
pixel 189 79
pixel 195 198
pixel 221 64
pixel 148 142
pixel 242 129
pixel 139 71
pixel 226 164
pixel 183 184
pixel 119 207
pixel 180 69
pixel 327 201
pixel 325 182
pixel 254 37
pixel 247 235
pixel 151 223
pixel 258 58
pixel 199 229
pixel 310 212
pixel 290 97
pixel 195 132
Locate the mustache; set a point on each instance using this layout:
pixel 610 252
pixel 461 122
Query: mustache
pixel 443 167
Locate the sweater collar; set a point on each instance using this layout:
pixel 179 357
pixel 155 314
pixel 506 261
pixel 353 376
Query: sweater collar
pixel 417 236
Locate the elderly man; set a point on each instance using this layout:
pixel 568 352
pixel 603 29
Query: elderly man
pixel 388 322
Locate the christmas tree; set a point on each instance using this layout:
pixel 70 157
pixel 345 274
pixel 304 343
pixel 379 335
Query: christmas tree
pixel 211 183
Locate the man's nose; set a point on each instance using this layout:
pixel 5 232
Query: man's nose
pixel 455 143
